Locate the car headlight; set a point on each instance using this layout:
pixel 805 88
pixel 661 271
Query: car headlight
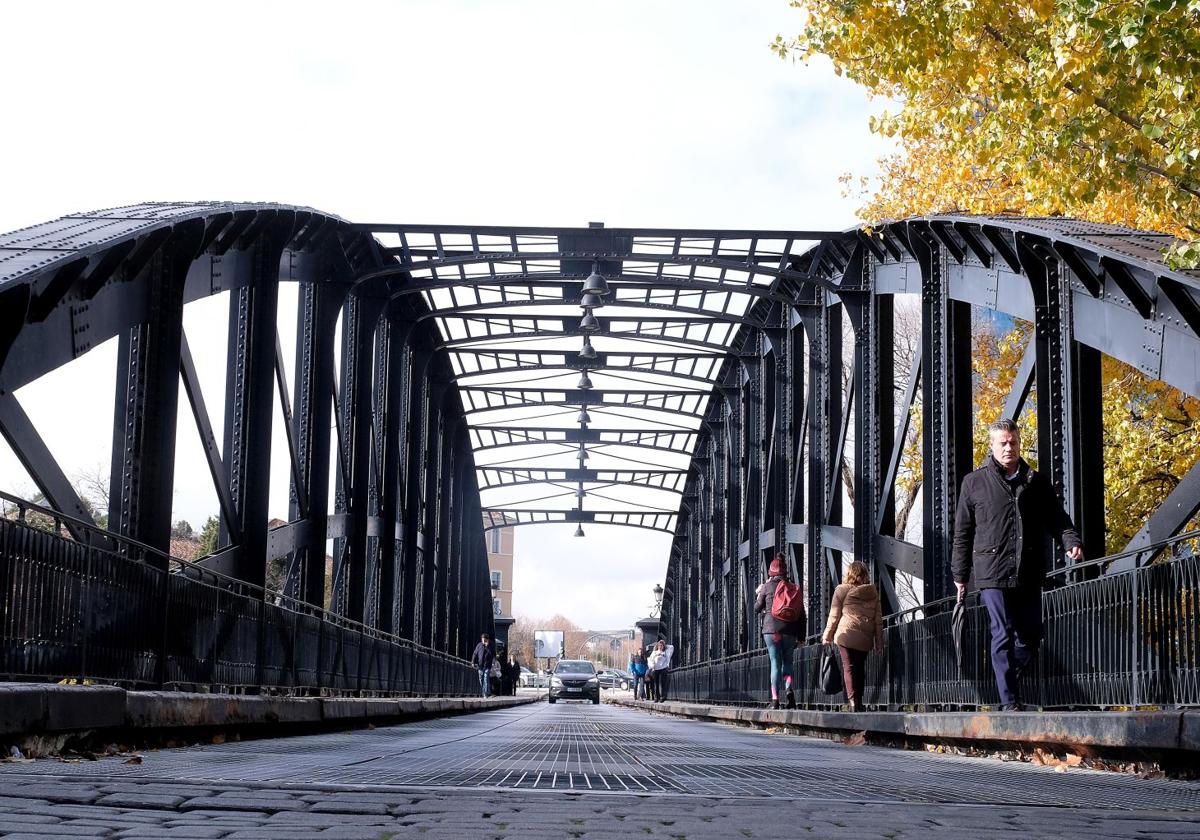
pixel 555 681
pixel 594 681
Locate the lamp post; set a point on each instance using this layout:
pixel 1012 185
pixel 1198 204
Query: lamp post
pixel 652 626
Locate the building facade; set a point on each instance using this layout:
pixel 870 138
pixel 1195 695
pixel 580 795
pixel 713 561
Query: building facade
pixel 500 566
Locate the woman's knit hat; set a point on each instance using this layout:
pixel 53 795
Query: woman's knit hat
pixel 778 568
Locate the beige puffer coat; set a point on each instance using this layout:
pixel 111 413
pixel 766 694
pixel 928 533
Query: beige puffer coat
pixel 855 617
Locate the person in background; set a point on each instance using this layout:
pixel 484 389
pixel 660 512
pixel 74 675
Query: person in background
pixel 637 667
pixel 658 669
pixel 514 674
pixel 855 626
pixel 779 635
pixel 482 659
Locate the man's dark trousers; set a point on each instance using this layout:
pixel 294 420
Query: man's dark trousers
pixel 1015 616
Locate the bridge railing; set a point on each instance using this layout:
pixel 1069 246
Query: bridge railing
pixel 1126 640
pixel 80 602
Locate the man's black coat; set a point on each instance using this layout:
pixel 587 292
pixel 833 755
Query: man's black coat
pixel 1001 525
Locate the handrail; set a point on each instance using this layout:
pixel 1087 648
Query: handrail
pixel 279 598
pixel 937 606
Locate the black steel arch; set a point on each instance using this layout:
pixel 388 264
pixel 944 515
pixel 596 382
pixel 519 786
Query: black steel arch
pixel 430 316
pixel 1087 289
pixel 401 564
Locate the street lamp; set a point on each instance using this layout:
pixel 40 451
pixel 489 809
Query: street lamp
pixel 658 596
pixel 595 283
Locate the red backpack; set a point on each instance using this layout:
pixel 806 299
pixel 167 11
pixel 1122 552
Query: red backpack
pixel 788 603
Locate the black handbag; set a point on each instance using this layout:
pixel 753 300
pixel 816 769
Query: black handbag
pixel 831 670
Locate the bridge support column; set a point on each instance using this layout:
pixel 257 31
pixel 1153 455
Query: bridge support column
pixel 823 327
pixel 392 382
pixel 414 464
pixel 147 405
pixel 1069 400
pixel 249 402
pixel 316 320
pixel 946 444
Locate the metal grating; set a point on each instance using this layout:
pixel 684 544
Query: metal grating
pixel 606 749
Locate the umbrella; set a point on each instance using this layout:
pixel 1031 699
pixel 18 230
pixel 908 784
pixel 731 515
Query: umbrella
pixel 958 623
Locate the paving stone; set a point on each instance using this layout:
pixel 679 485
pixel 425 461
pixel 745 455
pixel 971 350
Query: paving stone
pixel 242 803
pixel 17 802
pixel 180 832
pixel 140 800
pixel 186 791
pixel 48 830
pixel 50 793
pixel 349 807
pixel 16 818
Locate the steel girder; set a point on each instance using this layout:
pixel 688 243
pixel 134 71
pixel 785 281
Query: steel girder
pixel 731 369
pixel 1087 288
pixel 400 563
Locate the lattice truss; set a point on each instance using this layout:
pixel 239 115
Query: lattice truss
pixel 586 359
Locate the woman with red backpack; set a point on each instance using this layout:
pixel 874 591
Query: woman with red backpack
pixel 780 604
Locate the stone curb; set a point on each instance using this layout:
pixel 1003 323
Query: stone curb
pixel 30 708
pixel 1151 730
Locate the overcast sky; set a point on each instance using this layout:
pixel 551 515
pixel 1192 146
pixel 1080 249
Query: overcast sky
pixel 672 114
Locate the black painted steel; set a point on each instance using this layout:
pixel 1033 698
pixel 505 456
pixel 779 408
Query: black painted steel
pixel 737 390
pixel 114 609
pixel 1122 640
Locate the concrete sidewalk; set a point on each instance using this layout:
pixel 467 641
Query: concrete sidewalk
pixel 1175 731
pixel 49 708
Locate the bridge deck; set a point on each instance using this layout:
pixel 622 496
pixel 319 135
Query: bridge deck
pixel 627 773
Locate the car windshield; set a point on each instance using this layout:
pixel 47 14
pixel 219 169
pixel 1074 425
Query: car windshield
pixel 575 668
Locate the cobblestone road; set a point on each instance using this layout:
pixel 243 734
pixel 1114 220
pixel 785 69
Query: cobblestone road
pixel 576 771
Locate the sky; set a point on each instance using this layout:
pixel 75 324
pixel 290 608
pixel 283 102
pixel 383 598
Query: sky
pixel 644 113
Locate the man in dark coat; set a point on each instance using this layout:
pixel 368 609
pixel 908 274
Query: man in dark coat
pixel 1005 512
pixel 482 659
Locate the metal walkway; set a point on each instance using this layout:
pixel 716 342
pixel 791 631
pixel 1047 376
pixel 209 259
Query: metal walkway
pixel 610 750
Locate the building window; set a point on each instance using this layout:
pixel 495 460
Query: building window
pixel 496 606
pixel 494 534
pixel 495 579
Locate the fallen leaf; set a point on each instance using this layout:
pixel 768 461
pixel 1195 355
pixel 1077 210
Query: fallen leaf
pixel 1074 760
pixel 858 739
pixel 219 738
pixel 137 759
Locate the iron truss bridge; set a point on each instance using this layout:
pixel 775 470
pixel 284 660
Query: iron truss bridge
pixel 735 389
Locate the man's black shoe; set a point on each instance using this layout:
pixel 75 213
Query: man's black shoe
pixel 791 699
pixel 774 704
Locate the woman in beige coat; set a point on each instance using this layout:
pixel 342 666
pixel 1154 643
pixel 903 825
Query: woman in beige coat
pixel 855 626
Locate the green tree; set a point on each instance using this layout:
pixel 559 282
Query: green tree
pixel 210 534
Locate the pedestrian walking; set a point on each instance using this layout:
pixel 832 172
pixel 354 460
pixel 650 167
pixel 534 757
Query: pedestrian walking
pixel 483 658
pixel 514 674
pixel 856 626
pixel 1006 512
pixel 658 670
pixel 637 667
pixel 778 603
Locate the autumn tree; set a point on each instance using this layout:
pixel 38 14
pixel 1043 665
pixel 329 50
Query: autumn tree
pixel 1151 430
pixel 1077 107
pixel 1151 441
